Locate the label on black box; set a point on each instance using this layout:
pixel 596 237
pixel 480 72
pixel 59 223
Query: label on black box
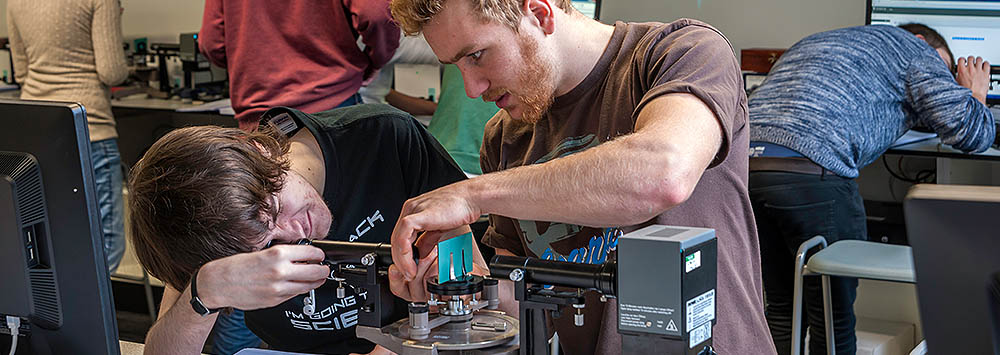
pixel 700 309
pixel 700 334
pixel 647 318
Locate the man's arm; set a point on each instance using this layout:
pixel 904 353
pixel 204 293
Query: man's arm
pixel 622 182
pixel 955 112
pixel 379 32
pixel 412 105
pixel 178 329
pixel 245 281
pixel 625 181
pixel 212 37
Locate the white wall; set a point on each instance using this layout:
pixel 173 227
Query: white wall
pixel 747 23
pixel 158 20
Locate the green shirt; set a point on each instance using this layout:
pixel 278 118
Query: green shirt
pixel 459 121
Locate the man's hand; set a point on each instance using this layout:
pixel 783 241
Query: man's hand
pixel 974 73
pixel 415 290
pixel 434 213
pixel 263 278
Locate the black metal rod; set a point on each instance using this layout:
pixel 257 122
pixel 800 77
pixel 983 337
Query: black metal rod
pixel 600 277
pixel 348 252
pixel 351 253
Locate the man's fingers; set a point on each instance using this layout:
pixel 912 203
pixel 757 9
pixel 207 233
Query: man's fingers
pixel 427 242
pixel 308 272
pixel 397 284
pixel 425 264
pixel 416 288
pixel 300 253
pixel 402 248
pixel 986 65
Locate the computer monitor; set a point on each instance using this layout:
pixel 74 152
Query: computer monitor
pixel 956 251
pixel 52 266
pixel 969 27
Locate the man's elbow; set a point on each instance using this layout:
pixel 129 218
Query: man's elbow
pixel 652 199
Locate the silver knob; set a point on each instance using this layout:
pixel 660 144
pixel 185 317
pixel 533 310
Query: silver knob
pixel 517 275
pixel 578 317
pixel 368 259
pixel 309 304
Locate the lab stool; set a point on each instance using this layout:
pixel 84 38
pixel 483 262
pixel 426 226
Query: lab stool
pixel 847 258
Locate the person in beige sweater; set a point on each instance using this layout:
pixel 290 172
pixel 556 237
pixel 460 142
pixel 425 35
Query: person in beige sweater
pixel 71 50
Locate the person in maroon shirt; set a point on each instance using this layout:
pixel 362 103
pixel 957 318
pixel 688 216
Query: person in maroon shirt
pixel 300 54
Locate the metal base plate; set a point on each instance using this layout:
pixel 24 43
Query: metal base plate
pixel 451 338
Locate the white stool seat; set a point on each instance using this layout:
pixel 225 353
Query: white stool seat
pixel 849 258
pixel 866 260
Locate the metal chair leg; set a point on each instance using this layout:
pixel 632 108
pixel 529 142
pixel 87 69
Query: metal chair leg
pixel 831 343
pixel 150 305
pixel 800 273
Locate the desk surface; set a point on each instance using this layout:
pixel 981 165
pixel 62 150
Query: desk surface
pixel 151 103
pixel 934 148
pixel 134 103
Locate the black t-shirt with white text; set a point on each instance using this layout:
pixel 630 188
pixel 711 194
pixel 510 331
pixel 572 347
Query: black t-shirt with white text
pixel 376 158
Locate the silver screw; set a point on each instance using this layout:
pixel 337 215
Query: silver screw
pixel 578 317
pixel 309 303
pixel 368 259
pixel 604 299
pixel 517 275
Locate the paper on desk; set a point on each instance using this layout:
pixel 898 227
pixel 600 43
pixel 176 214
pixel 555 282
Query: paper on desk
pixel 912 136
pixel 214 106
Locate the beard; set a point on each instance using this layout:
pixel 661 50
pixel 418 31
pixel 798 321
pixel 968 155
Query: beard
pixel 535 74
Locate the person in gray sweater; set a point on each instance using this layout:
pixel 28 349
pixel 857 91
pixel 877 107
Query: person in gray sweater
pixel 833 103
pixel 71 50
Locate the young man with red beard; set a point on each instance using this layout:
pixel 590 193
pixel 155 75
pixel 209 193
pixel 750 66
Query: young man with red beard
pixel 603 129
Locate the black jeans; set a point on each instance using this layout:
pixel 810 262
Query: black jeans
pixel 790 208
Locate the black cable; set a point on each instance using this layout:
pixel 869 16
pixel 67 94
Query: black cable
pixel 893 173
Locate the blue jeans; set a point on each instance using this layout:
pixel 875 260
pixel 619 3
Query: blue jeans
pixel 791 208
pixel 231 334
pixel 108 179
pixel 230 331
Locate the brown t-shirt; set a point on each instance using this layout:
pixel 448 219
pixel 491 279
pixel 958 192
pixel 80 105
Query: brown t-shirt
pixel 642 62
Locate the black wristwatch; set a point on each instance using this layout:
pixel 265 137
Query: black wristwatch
pixel 196 303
